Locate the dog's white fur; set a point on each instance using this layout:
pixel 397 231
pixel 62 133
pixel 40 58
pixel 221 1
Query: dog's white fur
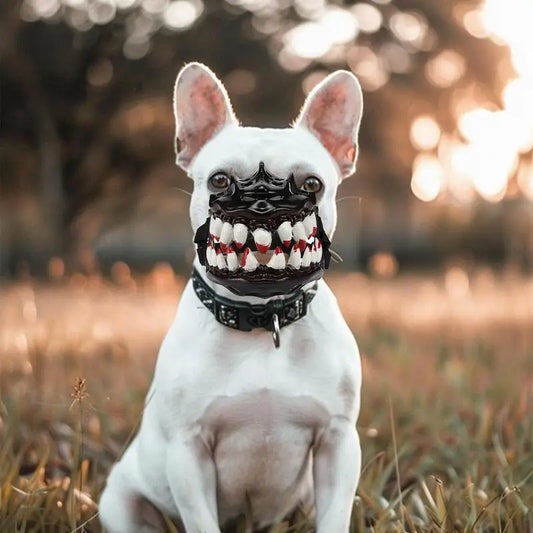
pixel 232 425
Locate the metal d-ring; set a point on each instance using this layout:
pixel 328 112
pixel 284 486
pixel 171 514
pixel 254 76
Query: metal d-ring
pixel 275 330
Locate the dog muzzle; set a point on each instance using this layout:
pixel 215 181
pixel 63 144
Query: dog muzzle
pixel 263 237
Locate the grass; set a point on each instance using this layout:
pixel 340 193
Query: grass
pixel 447 410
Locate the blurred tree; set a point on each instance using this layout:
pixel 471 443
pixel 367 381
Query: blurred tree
pixel 87 126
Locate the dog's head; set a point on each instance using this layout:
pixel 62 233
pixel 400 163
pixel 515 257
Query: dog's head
pixel 263 206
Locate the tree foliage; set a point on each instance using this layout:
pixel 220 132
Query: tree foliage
pixel 86 108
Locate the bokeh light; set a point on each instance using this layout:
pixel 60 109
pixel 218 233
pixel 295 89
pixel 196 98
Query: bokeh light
pixel 410 27
pixel 445 69
pixel 525 182
pixel 487 150
pixel 101 11
pixel 368 16
pixel 182 14
pixel 425 133
pixel 428 178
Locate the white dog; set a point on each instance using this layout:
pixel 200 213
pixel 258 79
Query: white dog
pixel 255 422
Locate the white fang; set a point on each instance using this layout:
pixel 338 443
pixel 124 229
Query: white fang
pixel 306 258
pixel 240 234
pixel 277 261
pixel 295 259
pixel 226 233
pixel 215 225
pixel 251 262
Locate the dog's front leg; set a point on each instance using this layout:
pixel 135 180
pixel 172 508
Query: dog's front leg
pixel 336 469
pixel 191 475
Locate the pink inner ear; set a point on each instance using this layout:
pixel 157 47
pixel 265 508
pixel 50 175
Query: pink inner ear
pixel 331 116
pixel 202 113
pixel 326 117
pixel 341 148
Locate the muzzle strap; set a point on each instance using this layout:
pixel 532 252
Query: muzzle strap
pixel 272 315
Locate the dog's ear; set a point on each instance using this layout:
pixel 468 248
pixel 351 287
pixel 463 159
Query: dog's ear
pixel 332 112
pixel 201 109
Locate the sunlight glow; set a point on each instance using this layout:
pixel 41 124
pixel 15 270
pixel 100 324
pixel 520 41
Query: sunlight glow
pixel 518 98
pixel 525 182
pixel 486 164
pixel 409 27
pixel 428 177
pixel 368 17
pixel 339 24
pixel 510 23
pixel 77 3
pixel 125 4
pixel 154 7
pixel 425 133
pixel 42 8
pixel 308 40
pixel 489 150
pixel 182 14
pixel 456 282
pixel 314 39
pixel 446 68
pixel 101 12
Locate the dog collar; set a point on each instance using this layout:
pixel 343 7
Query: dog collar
pixel 244 316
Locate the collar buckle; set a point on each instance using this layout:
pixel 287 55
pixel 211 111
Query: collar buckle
pixel 275 330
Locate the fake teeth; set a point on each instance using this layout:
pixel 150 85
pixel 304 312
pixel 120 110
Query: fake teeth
pixel 310 224
pixel 277 261
pixel 263 239
pixel 295 246
pixel 233 260
pixel 295 258
pixel 249 262
pixel 221 261
pixel 285 233
pixel 211 256
pixel 240 234
pixel 318 245
pixel 299 234
pixel 226 233
pixel 227 258
pixel 306 258
pixel 215 226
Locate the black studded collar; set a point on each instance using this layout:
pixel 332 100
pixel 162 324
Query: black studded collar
pixel 272 315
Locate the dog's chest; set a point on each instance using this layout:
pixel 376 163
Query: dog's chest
pixel 261 443
pixel 259 411
pixel 253 391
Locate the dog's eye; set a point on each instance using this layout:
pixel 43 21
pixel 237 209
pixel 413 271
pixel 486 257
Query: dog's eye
pixel 219 181
pixel 312 184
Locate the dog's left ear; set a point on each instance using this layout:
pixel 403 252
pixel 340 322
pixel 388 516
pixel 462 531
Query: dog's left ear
pixel 332 112
pixel 201 109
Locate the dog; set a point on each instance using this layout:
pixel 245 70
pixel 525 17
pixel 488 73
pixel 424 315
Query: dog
pixel 253 406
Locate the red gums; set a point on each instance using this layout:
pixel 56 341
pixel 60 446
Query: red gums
pixel 262 248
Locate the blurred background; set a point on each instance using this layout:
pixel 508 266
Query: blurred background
pixel 435 229
pixel 88 181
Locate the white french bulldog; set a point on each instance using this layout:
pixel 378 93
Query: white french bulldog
pixel 233 426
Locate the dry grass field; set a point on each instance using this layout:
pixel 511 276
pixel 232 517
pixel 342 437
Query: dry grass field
pixel 447 409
